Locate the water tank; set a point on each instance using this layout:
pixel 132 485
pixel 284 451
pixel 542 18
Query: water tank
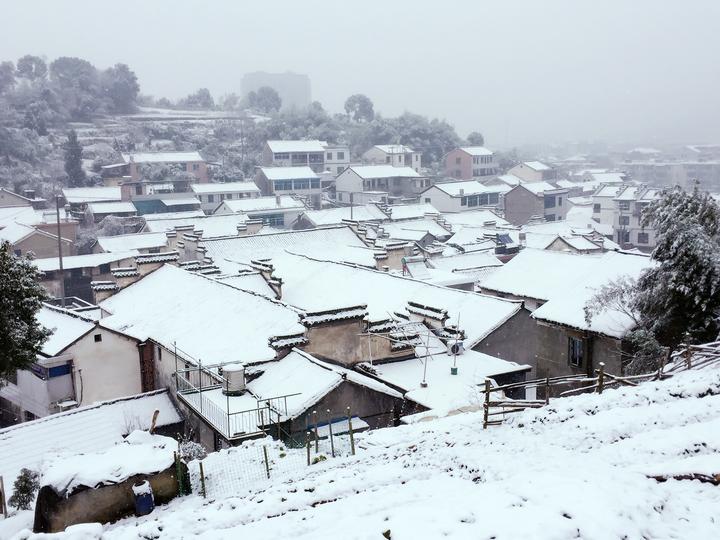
pixel 235 376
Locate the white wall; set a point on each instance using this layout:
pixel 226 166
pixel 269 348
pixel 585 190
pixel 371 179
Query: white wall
pixel 441 200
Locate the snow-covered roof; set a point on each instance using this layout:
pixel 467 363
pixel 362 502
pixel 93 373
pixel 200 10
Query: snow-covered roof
pixel 119 207
pixel 128 242
pixel 92 194
pixel 338 243
pixel 288 173
pixel 509 179
pixel 211 226
pixel 207 319
pixel 567 306
pixel 225 187
pixel 394 148
pixel 83 261
pixel 180 201
pixel 14 232
pixel 469 187
pixel 409 211
pixel 537 165
pixel 173 215
pixel 384 293
pixel 85 429
pixel 67 327
pixel 477 150
pixel 404 230
pixel 609 177
pixel 383 171
pixel 538 188
pixel 465 261
pixel 334 216
pixel 564 183
pixel 608 191
pixel 162 157
pixel 262 204
pixel 247 281
pixel 475 218
pixel 296 146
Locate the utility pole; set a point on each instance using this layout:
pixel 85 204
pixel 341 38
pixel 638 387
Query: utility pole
pixel 59 237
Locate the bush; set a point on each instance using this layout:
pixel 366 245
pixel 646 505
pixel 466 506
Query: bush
pixel 24 489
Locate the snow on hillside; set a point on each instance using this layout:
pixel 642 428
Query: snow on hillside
pixel 578 468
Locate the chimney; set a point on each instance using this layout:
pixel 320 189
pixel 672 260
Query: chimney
pixel 191 246
pixel 277 200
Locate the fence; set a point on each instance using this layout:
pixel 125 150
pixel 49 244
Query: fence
pixel 234 470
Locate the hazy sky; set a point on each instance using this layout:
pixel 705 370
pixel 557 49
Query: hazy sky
pixel 644 71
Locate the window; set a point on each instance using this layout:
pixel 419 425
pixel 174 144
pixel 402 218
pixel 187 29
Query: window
pixel 549 201
pixel 559 201
pixel 97 338
pixel 340 155
pixel 196 166
pixel 282 156
pixel 457 173
pixel 624 220
pixel 596 208
pixel 315 183
pixel 475 160
pixel 283 185
pixel 624 205
pixel 473 200
pixel 643 238
pixel 138 189
pixel 301 184
pixel 211 198
pixel 387 159
pixel 428 200
pixel 550 217
pixel 484 199
pixel 493 198
pixel 576 352
pixel 329 156
pixel 104 268
pixel 417 157
pixel 458 161
pixel 340 169
pixel 272 220
pixel 222 197
pixel 340 196
pixel 463 201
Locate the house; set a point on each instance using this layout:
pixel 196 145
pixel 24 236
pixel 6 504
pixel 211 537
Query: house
pixel 27 239
pixel 297 154
pixel 603 204
pixel 79 271
pixel 68 373
pixel 166 203
pixel 43 219
pixel 9 198
pixel 629 232
pixel 361 184
pixel 534 171
pixel 84 429
pixel 132 165
pixel 279 211
pixel 148 242
pixel 335 216
pixel 79 198
pixel 201 225
pixel 212 194
pixel 462 196
pixel 555 288
pixel 298 181
pixel 395 155
pixel 468 162
pixel 539 200
pixel 101 210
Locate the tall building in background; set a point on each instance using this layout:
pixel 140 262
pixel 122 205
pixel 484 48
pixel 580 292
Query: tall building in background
pixel 293 88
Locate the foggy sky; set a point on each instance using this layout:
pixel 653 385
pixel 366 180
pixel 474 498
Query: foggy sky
pixel 641 71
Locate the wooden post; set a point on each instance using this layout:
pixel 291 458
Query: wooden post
pixel 154 420
pixel 317 439
pixel 547 390
pixel 332 443
pixel 267 463
pixel 601 378
pixel 350 429
pixel 688 357
pixel 486 405
pixel 202 480
pixel 307 443
pixel 3 502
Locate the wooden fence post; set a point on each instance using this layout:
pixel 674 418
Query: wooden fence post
pixel 317 439
pixel 350 429
pixel 601 378
pixel 332 443
pixel 202 480
pixel 307 444
pixel 3 502
pixel 547 390
pixel 688 357
pixel 267 462
pixel 486 405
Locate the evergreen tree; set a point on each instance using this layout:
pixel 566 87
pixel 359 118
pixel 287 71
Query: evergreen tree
pixel 21 296
pixel 360 107
pixel 24 489
pixel 476 139
pixel 73 161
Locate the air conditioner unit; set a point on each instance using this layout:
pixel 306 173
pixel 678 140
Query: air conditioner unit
pixel 455 348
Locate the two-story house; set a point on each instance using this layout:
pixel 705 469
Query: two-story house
pixel 395 155
pixel 295 154
pixel 629 204
pixel 382 183
pixel 462 196
pixel 535 200
pixel 131 167
pixel 300 181
pixel 468 162
pixel 212 194
pixel 534 171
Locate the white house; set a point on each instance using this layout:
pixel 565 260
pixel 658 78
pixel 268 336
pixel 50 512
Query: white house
pixel 533 171
pixel 395 155
pixel 301 181
pixel 212 194
pixel 629 204
pixel 337 158
pixel 464 195
pixel 384 183
pixel 277 211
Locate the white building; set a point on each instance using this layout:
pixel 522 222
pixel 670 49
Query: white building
pixel 320 156
pixel 337 158
pixel 395 155
pixel 533 171
pixel 628 207
pixel 382 183
pixel 278 211
pixel 211 195
pixel 300 181
pixel 464 195
pixel 604 203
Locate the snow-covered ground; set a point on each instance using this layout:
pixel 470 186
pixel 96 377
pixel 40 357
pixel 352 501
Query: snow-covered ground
pixel 578 468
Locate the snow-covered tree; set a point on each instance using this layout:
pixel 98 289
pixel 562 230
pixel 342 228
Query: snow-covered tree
pixel 21 296
pixel 24 489
pixel 360 107
pixel 73 161
pixel 476 139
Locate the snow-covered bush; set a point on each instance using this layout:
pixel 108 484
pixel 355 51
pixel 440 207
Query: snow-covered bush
pixel 190 450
